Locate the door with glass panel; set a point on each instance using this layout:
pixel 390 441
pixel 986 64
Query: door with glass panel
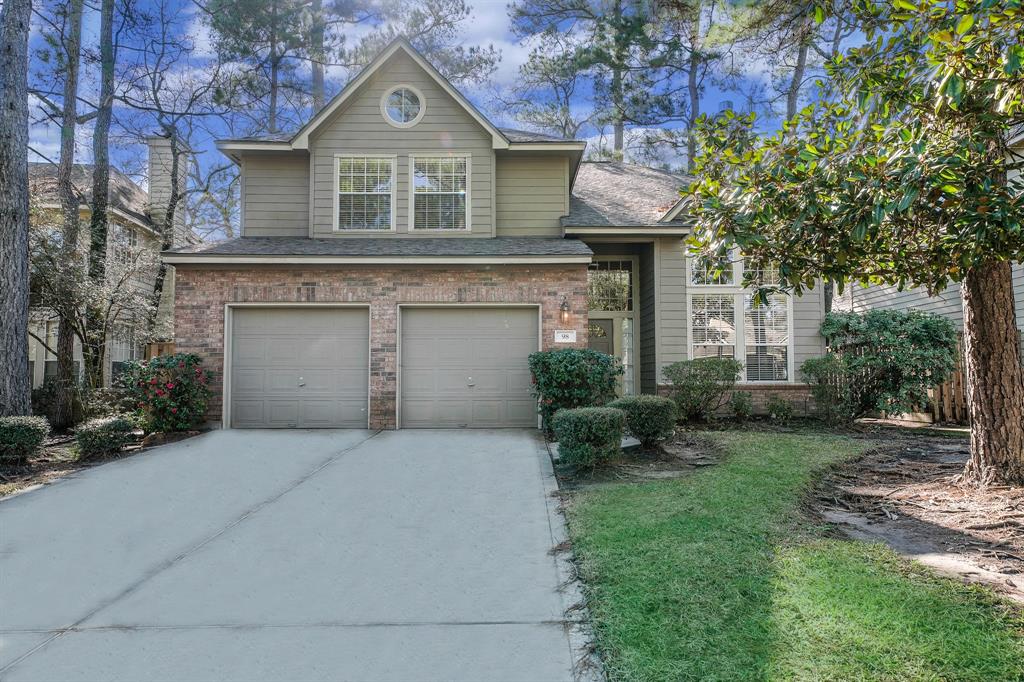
pixel 611 298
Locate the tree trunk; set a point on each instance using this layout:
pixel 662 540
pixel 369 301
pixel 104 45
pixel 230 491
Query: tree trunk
pixel 693 91
pixel 799 70
pixel 274 65
pixel 317 54
pixel 995 377
pixel 15 386
pixel 94 343
pixel 63 414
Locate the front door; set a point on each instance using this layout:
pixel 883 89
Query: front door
pixel 601 336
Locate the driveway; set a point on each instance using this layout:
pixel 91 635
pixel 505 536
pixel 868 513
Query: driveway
pixel 298 555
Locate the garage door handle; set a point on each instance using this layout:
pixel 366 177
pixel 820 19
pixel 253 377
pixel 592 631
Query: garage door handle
pixel 301 382
pixel 470 382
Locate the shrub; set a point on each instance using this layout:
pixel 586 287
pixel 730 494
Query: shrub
pixel 21 437
pixel 649 418
pixel 106 402
pixel 889 358
pixel 171 391
pixel 742 404
pixel 105 435
pixel 588 436
pixel 572 377
pixel 830 388
pixel 699 386
pixel 44 400
pixel 780 409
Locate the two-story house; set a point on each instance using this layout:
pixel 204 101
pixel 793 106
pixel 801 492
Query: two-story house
pixel 134 235
pixel 400 256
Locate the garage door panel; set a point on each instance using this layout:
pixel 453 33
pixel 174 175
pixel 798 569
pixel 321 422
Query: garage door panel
pixel 299 368
pixel 443 348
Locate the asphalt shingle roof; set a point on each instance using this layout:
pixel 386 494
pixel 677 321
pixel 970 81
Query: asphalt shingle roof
pixel 124 193
pixel 513 134
pixel 376 246
pixel 617 194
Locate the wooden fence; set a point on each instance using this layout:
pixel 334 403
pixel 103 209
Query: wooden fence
pixel 949 399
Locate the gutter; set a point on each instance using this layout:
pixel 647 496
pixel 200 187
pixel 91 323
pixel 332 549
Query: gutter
pixel 174 258
pixel 638 231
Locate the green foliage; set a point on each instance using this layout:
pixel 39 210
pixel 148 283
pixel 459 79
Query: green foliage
pixel 572 377
pixel 649 418
pixel 742 404
pixel 21 437
pixel 44 400
pixel 699 386
pixel 886 360
pixel 779 409
pixel 588 436
pixel 898 174
pixel 171 391
pixel 105 435
pixel 830 387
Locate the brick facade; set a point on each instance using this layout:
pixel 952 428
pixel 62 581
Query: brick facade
pixel 202 292
pixel 798 395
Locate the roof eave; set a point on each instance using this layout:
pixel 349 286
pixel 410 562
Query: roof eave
pixel 626 230
pixel 178 258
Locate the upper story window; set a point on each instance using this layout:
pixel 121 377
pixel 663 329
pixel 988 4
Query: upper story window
pixel 403 106
pixel 610 285
pixel 440 192
pixel 365 192
pixel 125 246
pixel 712 271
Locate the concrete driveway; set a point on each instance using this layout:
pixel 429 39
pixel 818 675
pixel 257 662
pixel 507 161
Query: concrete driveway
pixel 291 555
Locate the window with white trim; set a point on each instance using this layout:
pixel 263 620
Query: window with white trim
pixel 125 245
pixel 440 192
pixel 766 336
pixel 366 192
pixel 727 320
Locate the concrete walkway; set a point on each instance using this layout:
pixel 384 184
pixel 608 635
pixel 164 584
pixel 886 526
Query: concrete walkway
pixel 290 555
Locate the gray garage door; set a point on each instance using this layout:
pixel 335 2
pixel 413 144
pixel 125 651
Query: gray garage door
pixel 299 367
pixel 466 367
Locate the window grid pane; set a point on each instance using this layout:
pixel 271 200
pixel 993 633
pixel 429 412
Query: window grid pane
pixel 711 271
pixel 766 337
pixel 610 286
pixel 364 193
pixel 713 324
pixel 439 193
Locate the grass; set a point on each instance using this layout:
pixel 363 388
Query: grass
pixel 721 576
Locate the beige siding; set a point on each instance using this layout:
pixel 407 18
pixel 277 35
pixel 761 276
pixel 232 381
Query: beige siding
pixel 532 194
pixel 359 128
pixel 946 303
pixel 275 195
pixel 648 326
pixel 673 322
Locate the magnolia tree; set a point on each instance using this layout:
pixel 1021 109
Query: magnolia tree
pixel 901 174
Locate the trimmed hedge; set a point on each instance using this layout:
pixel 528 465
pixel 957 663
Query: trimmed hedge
pixel 780 409
pixel 742 404
pixel 699 386
pixel 21 437
pixel 588 436
pixel 572 377
pixel 649 418
pixel 105 435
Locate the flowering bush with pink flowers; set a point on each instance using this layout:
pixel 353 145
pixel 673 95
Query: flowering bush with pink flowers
pixel 171 391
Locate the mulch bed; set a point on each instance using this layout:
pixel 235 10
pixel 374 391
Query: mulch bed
pixel 57 459
pixel 682 455
pixel 907 494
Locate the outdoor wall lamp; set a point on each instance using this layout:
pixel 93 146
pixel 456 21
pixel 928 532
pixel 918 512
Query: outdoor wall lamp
pixel 564 308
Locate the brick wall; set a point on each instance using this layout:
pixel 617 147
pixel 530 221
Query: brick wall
pixel 202 292
pixel 797 394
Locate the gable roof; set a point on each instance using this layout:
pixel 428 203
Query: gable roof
pixel 125 196
pixel 617 194
pixel 501 138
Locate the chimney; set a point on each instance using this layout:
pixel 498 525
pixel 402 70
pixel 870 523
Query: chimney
pixel 160 186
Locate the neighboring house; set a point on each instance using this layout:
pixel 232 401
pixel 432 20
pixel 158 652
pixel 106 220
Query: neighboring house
pixel 946 302
pixel 401 256
pixel 135 217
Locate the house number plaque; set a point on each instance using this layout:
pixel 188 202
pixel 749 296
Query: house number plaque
pixel 565 336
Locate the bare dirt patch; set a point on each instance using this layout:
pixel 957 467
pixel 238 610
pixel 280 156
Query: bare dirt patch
pixel 58 458
pixel 685 453
pixel 906 494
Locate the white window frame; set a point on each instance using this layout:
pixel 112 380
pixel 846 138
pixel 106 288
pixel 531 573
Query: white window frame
pixel 393 158
pixel 412 191
pixel 384 105
pixel 739 293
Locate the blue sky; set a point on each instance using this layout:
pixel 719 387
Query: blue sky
pixel 488 24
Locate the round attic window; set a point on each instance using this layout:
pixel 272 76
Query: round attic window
pixel 402 106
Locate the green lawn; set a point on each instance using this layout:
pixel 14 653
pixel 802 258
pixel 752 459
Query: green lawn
pixel 721 575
